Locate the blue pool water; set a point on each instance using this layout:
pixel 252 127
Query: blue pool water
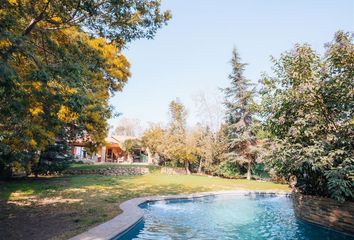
pixel 226 217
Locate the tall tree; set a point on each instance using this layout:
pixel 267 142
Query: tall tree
pixel 209 110
pixel 308 109
pixel 179 149
pixel 60 61
pixel 238 103
pixel 209 113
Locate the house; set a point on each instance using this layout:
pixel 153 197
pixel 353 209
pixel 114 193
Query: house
pixel 112 151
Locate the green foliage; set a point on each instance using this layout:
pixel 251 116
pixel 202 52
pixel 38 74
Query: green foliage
pixel 206 148
pixel 260 170
pixel 177 149
pixel 154 138
pixel 239 105
pixel 231 170
pixel 175 145
pixel 60 61
pixel 178 117
pixel 55 159
pixel 308 110
pixel 130 145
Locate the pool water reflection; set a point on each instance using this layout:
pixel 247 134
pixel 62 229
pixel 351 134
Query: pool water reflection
pixel 226 217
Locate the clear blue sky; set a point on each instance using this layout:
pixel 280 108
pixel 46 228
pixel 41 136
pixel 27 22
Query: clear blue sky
pixel 192 53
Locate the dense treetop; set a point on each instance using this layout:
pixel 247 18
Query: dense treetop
pixel 308 110
pixel 60 61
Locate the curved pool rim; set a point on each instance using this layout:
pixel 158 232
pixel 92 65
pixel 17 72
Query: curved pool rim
pixel 133 214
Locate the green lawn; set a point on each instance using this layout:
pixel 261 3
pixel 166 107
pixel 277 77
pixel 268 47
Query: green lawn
pixel 60 207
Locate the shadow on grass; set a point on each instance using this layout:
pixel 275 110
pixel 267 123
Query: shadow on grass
pixel 44 208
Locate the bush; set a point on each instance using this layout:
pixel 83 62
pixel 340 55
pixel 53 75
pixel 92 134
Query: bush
pixel 259 170
pixel 15 163
pixel 53 160
pixel 231 170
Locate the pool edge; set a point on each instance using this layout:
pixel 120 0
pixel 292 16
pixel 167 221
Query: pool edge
pixel 132 213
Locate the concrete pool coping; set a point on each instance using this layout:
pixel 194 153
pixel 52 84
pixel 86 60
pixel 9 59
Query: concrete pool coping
pixel 132 213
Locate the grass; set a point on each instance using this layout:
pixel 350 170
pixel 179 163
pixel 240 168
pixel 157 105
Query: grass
pixel 61 207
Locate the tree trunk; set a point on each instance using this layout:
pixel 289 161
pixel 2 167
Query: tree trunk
pixel 150 157
pixel 249 170
pixel 38 164
pixel 200 167
pixel 35 20
pixel 130 158
pixel 187 167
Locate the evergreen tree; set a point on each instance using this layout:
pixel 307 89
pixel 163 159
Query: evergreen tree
pixel 238 102
pixel 54 159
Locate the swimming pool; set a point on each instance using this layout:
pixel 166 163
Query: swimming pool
pixel 225 217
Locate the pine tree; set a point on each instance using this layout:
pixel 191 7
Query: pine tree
pixel 238 102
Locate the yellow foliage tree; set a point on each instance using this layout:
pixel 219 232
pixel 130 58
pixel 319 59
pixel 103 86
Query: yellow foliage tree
pixel 60 61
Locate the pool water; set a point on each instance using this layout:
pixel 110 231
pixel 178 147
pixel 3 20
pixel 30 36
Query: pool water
pixel 226 217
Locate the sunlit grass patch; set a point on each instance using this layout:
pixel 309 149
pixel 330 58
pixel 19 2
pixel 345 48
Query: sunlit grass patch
pixel 87 200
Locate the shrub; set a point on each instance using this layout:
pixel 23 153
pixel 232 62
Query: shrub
pixel 259 170
pixel 53 160
pixel 231 170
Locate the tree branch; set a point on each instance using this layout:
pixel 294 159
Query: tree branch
pixel 35 20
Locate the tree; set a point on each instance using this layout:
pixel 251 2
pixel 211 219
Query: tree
pixel 129 146
pixel 179 149
pixel 128 127
pixel 154 139
pixel 239 113
pixel 207 146
pixel 210 110
pixel 209 113
pixel 59 63
pixel 193 149
pixel 54 159
pixel 308 111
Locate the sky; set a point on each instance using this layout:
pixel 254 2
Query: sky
pixel 192 53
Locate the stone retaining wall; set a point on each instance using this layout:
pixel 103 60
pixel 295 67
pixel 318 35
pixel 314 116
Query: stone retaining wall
pixel 173 171
pixel 325 211
pixel 111 171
